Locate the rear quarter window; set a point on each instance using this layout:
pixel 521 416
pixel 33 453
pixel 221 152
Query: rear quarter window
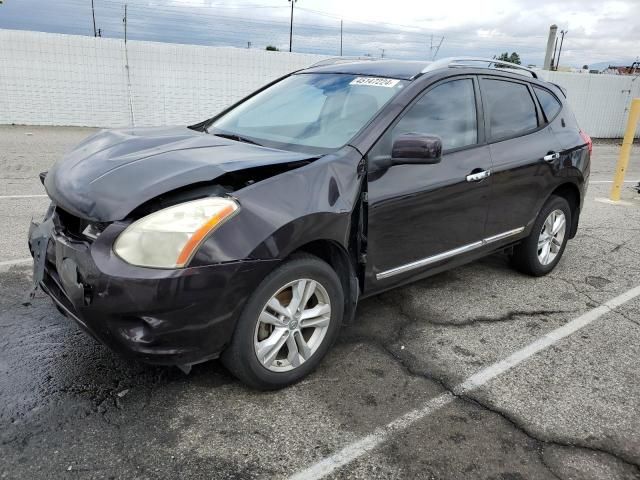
pixel 510 107
pixel 551 106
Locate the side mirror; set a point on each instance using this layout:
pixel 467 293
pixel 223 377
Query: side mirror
pixel 416 148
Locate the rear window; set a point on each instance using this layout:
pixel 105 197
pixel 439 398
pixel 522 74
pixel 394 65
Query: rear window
pixel 549 103
pixel 511 109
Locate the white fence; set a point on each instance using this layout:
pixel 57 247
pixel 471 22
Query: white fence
pixel 52 79
pixel 601 102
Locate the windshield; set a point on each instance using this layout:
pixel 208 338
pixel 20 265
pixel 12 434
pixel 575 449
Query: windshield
pixel 315 113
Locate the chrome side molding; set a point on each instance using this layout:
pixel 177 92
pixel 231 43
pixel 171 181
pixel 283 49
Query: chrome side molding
pixel 448 254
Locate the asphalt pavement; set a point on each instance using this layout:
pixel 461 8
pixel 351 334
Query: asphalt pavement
pixel 389 401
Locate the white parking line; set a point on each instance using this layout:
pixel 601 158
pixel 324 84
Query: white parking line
pixel 22 196
pixel 7 264
pixel 611 181
pixel 371 441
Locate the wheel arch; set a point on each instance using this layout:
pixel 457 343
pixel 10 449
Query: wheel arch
pixel 342 263
pixel 571 193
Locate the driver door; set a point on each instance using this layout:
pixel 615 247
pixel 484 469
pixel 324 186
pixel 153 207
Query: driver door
pixel 424 216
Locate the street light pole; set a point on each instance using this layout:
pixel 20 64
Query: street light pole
pixel 563 33
pixel 291 25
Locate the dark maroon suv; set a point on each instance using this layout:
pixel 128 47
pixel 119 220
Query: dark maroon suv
pixel 252 235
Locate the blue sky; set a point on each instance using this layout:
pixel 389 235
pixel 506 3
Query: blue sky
pixel 599 31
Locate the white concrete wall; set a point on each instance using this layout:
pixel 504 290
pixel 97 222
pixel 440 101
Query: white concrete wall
pixel 52 79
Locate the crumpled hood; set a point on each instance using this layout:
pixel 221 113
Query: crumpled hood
pixel 112 172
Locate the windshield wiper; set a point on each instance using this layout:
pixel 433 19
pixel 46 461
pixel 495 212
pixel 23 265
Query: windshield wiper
pixel 237 138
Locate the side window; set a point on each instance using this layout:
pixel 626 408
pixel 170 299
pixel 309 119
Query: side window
pixel 550 104
pixel 448 110
pixel 510 107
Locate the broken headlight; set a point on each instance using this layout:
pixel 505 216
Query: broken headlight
pixel 170 237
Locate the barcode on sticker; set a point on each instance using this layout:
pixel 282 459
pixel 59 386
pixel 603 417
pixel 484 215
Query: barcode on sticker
pixel 374 81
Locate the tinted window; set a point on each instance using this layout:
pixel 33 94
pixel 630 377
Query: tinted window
pixel 550 104
pixel 448 110
pixel 510 107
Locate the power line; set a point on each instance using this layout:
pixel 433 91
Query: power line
pixel 166 23
pixel 182 13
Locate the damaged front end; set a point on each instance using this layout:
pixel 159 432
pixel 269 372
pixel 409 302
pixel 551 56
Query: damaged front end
pixel 162 316
pixel 185 314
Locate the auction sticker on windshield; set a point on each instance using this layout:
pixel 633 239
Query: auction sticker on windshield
pixel 374 81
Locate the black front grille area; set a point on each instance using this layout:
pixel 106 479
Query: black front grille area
pixel 74 227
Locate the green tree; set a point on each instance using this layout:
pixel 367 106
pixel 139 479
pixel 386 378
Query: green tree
pixel 271 48
pixel 513 58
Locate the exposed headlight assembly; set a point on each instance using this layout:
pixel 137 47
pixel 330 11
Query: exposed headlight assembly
pixel 170 237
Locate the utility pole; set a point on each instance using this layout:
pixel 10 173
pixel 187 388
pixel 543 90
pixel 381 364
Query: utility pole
pixel 382 55
pixel 340 37
pixel 563 33
pixel 93 14
pixel 128 69
pixel 291 25
pixel 437 49
pixel 248 44
pixel 124 20
pixel 548 60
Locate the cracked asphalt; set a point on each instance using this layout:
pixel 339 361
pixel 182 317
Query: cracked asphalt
pixel 70 408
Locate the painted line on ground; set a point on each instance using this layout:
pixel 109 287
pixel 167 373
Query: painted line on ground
pixel 618 203
pixel 611 181
pixel 22 196
pixel 7 264
pixel 358 448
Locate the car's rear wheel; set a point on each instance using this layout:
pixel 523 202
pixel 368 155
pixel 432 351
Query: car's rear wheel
pixel 541 251
pixel 288 324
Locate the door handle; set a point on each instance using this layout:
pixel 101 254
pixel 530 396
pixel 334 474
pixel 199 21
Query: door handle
pixel 551 157
pixel 476 177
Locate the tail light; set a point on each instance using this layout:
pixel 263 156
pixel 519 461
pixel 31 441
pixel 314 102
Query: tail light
pixel 587 140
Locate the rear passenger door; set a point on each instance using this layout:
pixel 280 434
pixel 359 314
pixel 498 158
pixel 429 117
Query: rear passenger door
pixel 518 140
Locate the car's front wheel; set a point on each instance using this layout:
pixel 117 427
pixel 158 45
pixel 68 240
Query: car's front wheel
pixel 288 324
pixel 541 251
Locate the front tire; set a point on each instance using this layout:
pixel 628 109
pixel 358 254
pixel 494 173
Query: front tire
pixel 541 251
pixel 288 324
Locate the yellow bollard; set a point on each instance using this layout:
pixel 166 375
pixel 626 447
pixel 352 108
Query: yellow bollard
pixel 625 151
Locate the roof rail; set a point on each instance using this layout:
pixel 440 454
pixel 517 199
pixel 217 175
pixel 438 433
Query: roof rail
pixel 464 61
pixel 338 60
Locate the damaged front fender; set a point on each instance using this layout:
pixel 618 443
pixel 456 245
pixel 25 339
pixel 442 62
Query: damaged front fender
pixel 283 213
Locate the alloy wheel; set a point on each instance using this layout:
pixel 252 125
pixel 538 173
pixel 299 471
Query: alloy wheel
pixel 551 237
pixel 292 325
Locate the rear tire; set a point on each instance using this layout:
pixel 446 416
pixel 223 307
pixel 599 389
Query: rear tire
pixel 288 324
pixel 541 251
